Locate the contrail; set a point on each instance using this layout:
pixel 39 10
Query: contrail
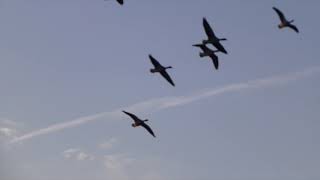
pixel 158 104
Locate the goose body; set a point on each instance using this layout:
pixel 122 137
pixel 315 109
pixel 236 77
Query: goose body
pixel 208 52
pixel 138 122
pixel 158 68
pixel 212 38
pixel 284 22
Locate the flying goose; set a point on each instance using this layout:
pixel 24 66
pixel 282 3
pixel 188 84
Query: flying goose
pixel 160 69
pixel 212 38
pixel 284 22
pixel 139 122
pixel 208 52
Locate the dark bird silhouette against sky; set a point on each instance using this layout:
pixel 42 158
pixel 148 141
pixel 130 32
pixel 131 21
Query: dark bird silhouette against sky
pixel 284 22
pixel 160 69
pixel 208 52
pixel 120 2
pixel 139 122
pixel 212 38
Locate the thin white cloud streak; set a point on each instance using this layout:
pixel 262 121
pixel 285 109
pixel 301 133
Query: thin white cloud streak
pixel 61 126
pixel 158 104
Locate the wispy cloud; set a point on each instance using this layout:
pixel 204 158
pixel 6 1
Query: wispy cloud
pixel 108 144
pixel 8 129
pixel 62 126
pixel 7 132
pixel 117 166
pixel 8 122
pixel 158 104
pixel 121 166
pixel 77 154
pixel 117 161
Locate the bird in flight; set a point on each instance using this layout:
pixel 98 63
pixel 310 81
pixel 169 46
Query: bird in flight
pixel 139 122
pixel 160 69
pixel 212 38
pixel 284 22
pixel 208 52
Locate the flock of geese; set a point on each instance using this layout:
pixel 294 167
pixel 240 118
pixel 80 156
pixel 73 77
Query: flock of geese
pixel 206 52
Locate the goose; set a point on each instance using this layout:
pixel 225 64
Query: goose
pixel 208 52
pixel 284 22
pixel 139 122
pixel 212 38
pixel 160 69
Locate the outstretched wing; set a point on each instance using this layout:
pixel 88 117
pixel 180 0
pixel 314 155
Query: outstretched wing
pixel 280 14
pixel 294 28
pixel 220 47
pixel 154 61
pixel 167 77
pixel 134 117
pixel 201 46
pixel 208 29
pixel 120 2
pixel 148 129
pixel 215 61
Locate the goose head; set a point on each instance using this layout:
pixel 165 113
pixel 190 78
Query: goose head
pixel 205 41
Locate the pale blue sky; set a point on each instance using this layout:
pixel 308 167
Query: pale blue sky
pixel 63 60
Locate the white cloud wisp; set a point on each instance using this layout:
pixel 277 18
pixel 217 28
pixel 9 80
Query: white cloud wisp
pixel 158 104
pixel 77 154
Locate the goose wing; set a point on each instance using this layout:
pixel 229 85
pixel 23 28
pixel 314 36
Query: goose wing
pixel 167 77
pixel 148 129
pixel 134 117
pixel 120 2
pixel 294 28
pixel 220 47
pixel 154 61
pixel 201 46
pixel 280 14
pixel 215 61
pixel 208 29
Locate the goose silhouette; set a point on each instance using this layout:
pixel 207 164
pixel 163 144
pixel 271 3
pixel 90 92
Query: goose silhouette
pixel 138 122
pixel 212 38
pixel 284 22
pixel 160 69
pixel 208 52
